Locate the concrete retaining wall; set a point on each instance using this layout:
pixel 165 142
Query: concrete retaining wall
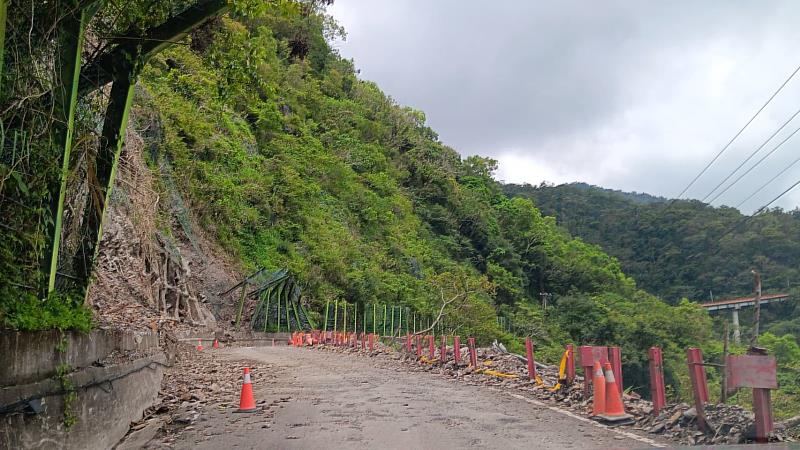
pixel 247 338
pixel 109 395
pixel 108 400
pixel 33 356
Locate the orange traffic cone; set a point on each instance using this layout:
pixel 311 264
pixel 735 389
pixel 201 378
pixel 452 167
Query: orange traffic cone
pixel 199 345
pixel 215 344
pixel 615 410
pixel 246 401
pixel 599 381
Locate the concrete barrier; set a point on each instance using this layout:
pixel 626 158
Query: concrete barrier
pixel 114 375
pixel 107 400
pixel 32 356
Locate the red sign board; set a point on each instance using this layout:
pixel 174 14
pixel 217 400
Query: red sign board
pixel 754 371
pixel 590 354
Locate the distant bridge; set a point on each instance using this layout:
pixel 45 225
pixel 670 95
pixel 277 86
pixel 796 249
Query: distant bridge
pixel 735 304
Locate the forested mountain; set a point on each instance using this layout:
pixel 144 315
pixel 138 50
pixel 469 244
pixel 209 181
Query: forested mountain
pixel 680 249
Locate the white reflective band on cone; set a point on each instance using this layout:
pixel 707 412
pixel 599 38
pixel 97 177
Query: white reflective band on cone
pixel 247 378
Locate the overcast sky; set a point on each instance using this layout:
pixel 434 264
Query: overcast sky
pixel 632 95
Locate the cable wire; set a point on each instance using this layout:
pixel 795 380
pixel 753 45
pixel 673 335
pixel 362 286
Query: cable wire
pixel 769 182
pixel 755 165
pixel 760 210
pixel 738 134
pixel 754 153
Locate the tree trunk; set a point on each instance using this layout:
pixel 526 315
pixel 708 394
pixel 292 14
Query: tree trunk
pixel 65 99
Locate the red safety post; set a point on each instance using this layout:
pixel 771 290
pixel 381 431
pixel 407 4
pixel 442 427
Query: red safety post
pixel 443 350
pixel 473 354
pixel 363 341
pixel 419 346
pixel 697 375
pixel 759 372
pixel 431 347
pixel 615 358
pixel 529 355
pixel 657 391
pixel 570 364
pixel 457 349
pixel 408 342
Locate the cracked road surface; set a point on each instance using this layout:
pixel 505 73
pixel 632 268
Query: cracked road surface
pixel 319 399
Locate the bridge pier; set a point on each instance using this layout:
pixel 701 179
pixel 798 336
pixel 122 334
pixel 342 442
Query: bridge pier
pixel 737 335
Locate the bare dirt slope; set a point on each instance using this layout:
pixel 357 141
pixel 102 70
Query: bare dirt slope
pixel 317 399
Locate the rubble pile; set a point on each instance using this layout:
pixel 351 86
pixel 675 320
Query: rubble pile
pixel 728 424
pixel 197 380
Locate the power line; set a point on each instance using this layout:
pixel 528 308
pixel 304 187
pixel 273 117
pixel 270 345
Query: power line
pixel 739 178
pixel 747 218
pixel 754 153
pixel 769 182
pixel 694 180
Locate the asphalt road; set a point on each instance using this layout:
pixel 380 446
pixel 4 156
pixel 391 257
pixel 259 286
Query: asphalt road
pixel 323 400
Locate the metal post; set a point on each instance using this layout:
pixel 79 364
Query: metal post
pixel 529 355
pixel 384 319
pixel 364 327
pixel 288 322
pixel 279 311
pixel 414 321
pixel 697 375
pixel 615 358
pixel 400 320
pixel 431 347
pixel 586 364
pixel 723 395
pixel 443 350
pixel 762 407
pixel 419 346
pixel 657 392
pixel 570 364
pixel 374 320
pixel 757 310
pixel 344 318
pixel 392 321
pixel 327 306
pixel 355 317
pixel 473 354
pixel 457 349
pixel 335 316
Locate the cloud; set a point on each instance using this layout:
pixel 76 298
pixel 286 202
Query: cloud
pixel 629 95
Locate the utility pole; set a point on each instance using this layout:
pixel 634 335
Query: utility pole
pixel 757 313
pixel 723 395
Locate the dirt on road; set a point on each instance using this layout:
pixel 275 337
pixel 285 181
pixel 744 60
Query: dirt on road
pixel 317 399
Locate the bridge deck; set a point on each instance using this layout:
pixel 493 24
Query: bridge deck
pixel 743 302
